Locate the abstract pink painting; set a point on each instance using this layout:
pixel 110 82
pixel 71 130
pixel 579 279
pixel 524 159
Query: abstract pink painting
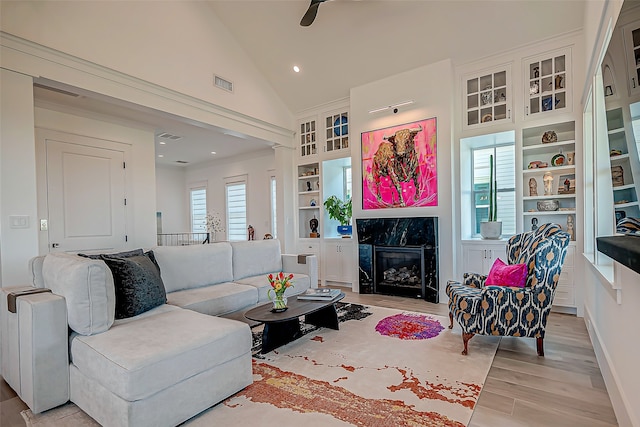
pixel 399 166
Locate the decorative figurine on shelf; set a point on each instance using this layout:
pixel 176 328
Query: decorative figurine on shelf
pixel 534 223
pixel 548 183
pixel 312 202
pixel 549 136
pixel 267 236
pixel 251 232
pixel 567 185
pixel 570 228
pixel 313 223
pixel 617 176
pixel 533 187
pixel 536 72
pixel 308 185
pixel 571 155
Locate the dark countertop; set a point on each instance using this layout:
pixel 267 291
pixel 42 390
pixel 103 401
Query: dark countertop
pixel 623 249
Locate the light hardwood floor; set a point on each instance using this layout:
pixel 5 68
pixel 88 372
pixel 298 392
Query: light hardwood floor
pixel 564 388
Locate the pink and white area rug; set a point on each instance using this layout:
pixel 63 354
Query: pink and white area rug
pixel 383 367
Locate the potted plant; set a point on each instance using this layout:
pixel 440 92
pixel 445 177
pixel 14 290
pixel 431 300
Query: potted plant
pixel 492 228
pixel 340 211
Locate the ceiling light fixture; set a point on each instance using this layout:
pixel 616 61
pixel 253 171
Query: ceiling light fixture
pixel 160 155
pixel 162 143
pixel 393 107
pixel 213 152
pixel 296 68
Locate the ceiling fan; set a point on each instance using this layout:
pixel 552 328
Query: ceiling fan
pixel 311 13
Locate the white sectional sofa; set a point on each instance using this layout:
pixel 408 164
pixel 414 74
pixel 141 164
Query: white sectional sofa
pixel 157 368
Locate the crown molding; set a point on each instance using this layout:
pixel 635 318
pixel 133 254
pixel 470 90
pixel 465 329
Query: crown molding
pixel 30 58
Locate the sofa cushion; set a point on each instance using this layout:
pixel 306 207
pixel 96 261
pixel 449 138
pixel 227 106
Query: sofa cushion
pixel 138 284
pixel 215 300
pixel 256 257
pixel 137 359
pixel 87 286
pixel 300 284
pixel 188 267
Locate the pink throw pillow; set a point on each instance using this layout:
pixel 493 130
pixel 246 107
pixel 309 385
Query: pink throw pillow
pixel 502 274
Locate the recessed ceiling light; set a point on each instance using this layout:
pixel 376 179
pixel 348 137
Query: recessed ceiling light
pixel 160 155
pixel 296 68
pixel 162 143
pixel 213 152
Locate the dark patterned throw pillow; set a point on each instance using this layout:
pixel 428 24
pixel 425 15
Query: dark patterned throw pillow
pixel 138 284
pixel 126 254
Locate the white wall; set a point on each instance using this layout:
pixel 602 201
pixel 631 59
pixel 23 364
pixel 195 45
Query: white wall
pixel 141 181
pixel 172 199
pixel 256 167
pixel 17 177
pixel 613 328
pixel 431 87
pixel 175 44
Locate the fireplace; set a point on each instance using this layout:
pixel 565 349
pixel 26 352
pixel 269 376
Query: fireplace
pixel 399 256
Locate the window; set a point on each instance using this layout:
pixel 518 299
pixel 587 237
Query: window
pixel 198 206
pixel 475 199
pixel 346 179
pixel 274 217
pixel 236 194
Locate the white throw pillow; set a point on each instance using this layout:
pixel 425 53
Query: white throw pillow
pixel 87 286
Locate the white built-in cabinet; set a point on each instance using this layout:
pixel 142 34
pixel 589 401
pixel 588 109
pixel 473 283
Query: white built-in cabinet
pixel 625 197
pixel 479 255
pixel 540 102
pixel 338 260
pixel 548 83
pixel 631 36
pixel 324 149
pixel 549 192
pixel 487 97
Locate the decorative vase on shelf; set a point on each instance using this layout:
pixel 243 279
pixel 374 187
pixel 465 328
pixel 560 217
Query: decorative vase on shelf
pixel 279 303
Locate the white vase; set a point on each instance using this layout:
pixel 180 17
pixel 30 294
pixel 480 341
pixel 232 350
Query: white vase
pixel 491 230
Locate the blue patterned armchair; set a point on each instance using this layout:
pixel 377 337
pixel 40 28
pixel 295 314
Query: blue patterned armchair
pixel 508 311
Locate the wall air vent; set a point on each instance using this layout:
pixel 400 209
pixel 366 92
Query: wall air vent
pixel 182 162
pixel 167 135
pixel 223 84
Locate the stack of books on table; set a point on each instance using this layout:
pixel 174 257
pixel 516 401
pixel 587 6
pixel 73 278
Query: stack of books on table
pixel 319 294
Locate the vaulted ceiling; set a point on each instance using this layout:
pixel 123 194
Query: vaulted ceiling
pixel 351 43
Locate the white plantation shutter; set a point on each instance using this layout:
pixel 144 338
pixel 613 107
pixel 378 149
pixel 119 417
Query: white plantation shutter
pixel 274 216
pixel 198 203
pixel 504 158
pixel 236 194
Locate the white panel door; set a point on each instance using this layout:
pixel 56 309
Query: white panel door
pixel 85 197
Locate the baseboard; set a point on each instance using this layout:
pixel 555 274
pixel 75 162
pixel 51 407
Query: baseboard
pixel 619 400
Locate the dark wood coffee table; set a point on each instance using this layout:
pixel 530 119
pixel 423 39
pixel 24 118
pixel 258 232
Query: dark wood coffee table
pixel 282 328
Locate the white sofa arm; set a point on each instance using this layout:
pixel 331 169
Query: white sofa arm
pixel 35 350
pixel 302 264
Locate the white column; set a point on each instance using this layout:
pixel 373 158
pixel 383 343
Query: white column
pixel 19 223
pixel 285 189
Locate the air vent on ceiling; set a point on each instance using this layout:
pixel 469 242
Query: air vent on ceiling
pixel 223 83
pixel 182 162
pixel 54 89
pixel 167 135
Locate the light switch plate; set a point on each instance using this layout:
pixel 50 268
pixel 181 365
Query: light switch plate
pixel 19 221
pixel 44 225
